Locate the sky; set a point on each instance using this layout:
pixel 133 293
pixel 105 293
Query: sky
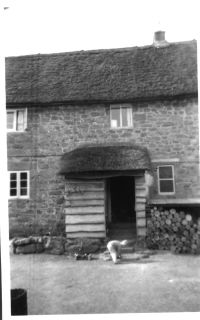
pixel 47 26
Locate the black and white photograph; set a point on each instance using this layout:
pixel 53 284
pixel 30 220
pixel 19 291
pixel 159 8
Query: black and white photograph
pixel 100 139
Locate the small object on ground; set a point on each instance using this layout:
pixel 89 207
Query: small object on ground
pixel 145 256
pixel 84 256
pixel 47 241
pixel 77 256
pixel 19 306
pixel 114 247
pixel 105 256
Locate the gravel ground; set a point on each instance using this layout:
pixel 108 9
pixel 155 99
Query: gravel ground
pixel 59 285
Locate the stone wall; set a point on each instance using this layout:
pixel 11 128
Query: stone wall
pixel 43 211
pixel 169 129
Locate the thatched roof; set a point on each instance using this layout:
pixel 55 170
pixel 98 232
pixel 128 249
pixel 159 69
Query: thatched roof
pixel 103 75
pixel 103 160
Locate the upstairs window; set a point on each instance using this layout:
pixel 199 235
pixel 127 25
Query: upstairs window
pixel 16 120
pixel 18 184
pixel 166 183
pixel 121 116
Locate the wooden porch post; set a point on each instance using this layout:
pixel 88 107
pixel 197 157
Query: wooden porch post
pixel 140 203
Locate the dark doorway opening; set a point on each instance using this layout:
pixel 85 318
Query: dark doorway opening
pixel 122 200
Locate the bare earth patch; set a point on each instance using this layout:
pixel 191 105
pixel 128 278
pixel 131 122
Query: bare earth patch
pixel 156 283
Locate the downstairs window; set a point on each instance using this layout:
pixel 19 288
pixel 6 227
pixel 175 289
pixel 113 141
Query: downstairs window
pixel 18 184
pixel 166 184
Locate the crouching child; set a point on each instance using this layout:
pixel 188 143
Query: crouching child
pixel 114 248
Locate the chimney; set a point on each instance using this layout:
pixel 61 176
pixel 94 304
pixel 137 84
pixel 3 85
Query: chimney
pixel 159 39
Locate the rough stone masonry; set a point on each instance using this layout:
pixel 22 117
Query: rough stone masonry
pixel 168 128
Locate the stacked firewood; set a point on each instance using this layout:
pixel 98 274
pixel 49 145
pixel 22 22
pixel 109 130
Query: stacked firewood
pixel 172 230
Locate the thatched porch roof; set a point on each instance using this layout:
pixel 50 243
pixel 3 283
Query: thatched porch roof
pixel 104 160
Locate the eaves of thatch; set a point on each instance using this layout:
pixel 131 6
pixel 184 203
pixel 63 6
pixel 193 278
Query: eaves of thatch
pixel 103 75
pixel 106 160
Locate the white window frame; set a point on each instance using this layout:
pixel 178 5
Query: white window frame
pixel 120 107
pixel 14 129
pixel 18 196
pixel 170 179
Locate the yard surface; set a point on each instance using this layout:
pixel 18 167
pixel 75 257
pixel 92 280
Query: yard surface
pixel 58 285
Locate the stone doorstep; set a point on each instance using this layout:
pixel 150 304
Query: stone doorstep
pixel 129 249
pixel 121 237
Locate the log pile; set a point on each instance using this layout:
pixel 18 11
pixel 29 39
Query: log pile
pixel 172 230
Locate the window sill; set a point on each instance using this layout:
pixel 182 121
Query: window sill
pixel 184 201
pixel 18 198
pixel 17 131
pixel 121 128
pixel 166 194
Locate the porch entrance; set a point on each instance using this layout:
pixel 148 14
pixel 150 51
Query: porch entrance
pixel 122 197
pixel 121 207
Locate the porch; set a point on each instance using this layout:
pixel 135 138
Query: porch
pixel 105 191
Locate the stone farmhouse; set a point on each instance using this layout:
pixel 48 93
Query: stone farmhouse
pixel 95 138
